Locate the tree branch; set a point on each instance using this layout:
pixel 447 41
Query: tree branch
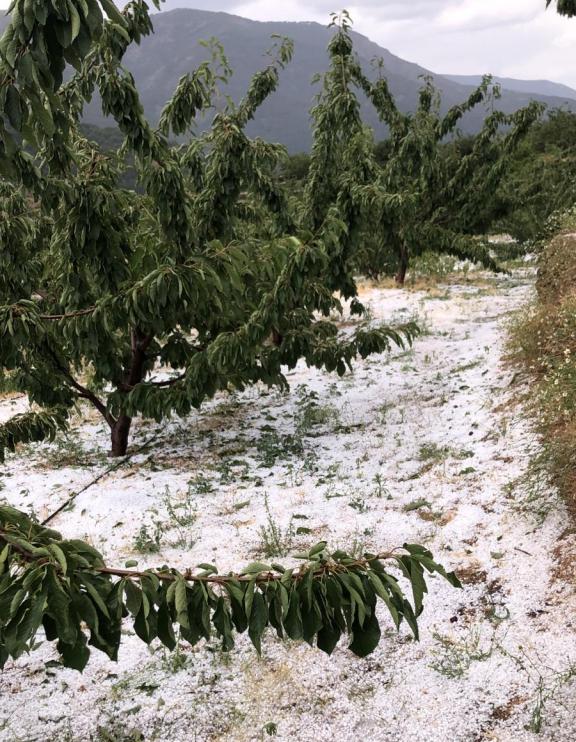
pixel 331 567
pixel 83 391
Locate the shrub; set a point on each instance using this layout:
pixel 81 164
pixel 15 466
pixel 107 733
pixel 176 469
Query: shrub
pixel 557 266
pixel 544 341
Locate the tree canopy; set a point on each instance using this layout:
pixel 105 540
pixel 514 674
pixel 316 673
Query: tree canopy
pixel 203 272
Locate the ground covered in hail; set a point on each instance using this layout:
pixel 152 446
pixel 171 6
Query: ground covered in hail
pixel 423 446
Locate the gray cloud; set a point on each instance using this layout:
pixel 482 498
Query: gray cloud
pixel 394 10
pixel 227 5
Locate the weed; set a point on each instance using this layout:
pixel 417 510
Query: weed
pixel 311 414
pixel 542 339
pixel 68 450
pixel 148 539
pixel 182 515
pixel 380 489
pixel 115 731
pixel 431 265
pixel 533 492
pixel 416 505
pixel 200 485
pixel 357 548
pixel 549 682
pixel 383 411
pixel 465 367
pixel 271 446
pixel 233 470
pixel 274 542
pixel 333 491
pixel 463 453
pixel 454 657
pixel 175 660
pixel 359 504
pixel 433 452
pixel 241 505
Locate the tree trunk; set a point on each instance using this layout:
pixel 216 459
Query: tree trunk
pixel 120 432
pixel 402 267
pixel 120 429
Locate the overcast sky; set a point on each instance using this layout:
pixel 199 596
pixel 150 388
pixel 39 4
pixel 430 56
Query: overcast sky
pixel 512 38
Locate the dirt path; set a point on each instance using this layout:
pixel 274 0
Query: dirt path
pixel 418 447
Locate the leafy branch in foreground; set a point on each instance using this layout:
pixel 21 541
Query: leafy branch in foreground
pixel 65 587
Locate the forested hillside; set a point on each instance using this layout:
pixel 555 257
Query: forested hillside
pixel 175 48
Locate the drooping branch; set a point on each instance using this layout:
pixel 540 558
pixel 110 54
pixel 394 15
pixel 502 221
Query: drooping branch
pixel 72 591
pixel 83 391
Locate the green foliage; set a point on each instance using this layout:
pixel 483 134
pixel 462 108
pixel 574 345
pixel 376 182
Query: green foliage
pixel 411 193
pixel 558 221
pixel 296 167
pixel 556 280
pixel 275 542
pixel 31 427
pixel 65 587
pixel 430 196
pixel 204 270
pixel 543 341
pixel 539 181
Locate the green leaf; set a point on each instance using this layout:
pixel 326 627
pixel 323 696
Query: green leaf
pixel 181 603
pixel 293 620
pixel 223 624
pixel 96 597
pixel 256 568
pixel 133 597
pixel 59 606
pixel 165 628
pixel 57 552
pixel 258 620
pixel 4 557
pixel 13 107
pixel 208 568
pixel 385 596
pixel 113 13
pixel 75 655
pixel 365 638
pixel 75 21
pixel 328 638
pixel 315 550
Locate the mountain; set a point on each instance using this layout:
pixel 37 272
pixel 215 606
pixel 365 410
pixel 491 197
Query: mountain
pixel 174 49
pixel 534 87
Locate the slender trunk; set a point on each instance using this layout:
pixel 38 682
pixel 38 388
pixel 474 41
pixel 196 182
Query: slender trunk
pixel 119 434
pixel 120 428
pixel 402 266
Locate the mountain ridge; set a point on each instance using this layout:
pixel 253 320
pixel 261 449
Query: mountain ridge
pixel 537 87
pixel 174 50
